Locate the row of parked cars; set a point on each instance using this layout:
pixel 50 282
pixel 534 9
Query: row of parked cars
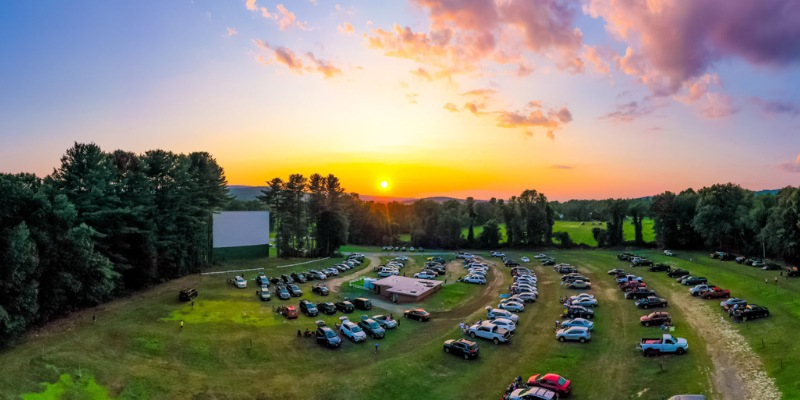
pixel 402 248
pixel 476 272
pixel 578 309
pixel 374 326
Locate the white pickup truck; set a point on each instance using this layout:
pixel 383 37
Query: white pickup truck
pixel 664 344
pixel 490 331
pixel 629 278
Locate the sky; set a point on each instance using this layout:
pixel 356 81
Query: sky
pixel 486 98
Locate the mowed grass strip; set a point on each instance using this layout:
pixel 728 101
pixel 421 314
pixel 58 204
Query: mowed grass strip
pixel 136 348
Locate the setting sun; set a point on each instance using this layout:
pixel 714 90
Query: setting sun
pixel 384 185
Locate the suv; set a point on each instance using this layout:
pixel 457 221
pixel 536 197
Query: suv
pixel 187 294
pixel 298 277
pixel 372 327
pixel 362 303
pixel 321 290
pixel 326 336
pixel 463 347
pixel 327 308
pixel 287 279
pixel 263 294
pixel 239 282
pixel 282 292
pixel 352 331
pixel 345 306
pixel 655 318
pixel 578 333
pixel 308 308
pixel 294 290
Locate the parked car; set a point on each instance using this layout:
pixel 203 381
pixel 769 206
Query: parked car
pixel 327 308
pixel 534 393
pixel 655 318
pixel 372 327
pixel 639 293
pixel 345 306
pixel 512 306
pixel 187 294
pixel 677 272
pixel 664 344
pixel 308 308
pixel 299 277
pixel 263 294
pixel 494 313
pixel 321 290
pixel 640 262
pixel 669 253
pixel 474 279
pixel 616 271
pixel 556 383
pixel 771 267
pixel 490 331
pixel 287 311
pixel 751 311
pixel 462 347
pixel 716 293
pixel 282 292
pixel 579 312
pixel 425 275
pixel 511 263
pixel 693 280
pixel 314 274
pixel 352 331
pixel 239 282
pixel 294 290
pixel 497 254
pixel 585 302
pixel 362 303
pixel 697 290
pixel 660 267
pixel 262 279
pixel 585 323
pixel 505 323
pixel 327 337
pixel 528 297
pixel 417 314
pixel 728 304
pixel 651 301
pixel 385 321
pixel 525 259
pixel 287 279
pixel 578 333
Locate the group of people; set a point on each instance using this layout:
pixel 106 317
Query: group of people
pixel 464 326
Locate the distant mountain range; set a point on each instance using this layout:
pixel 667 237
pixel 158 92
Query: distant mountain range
pixel 248 193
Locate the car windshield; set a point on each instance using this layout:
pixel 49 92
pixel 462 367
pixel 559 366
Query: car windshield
pixel 330 334
pixel 561 381
pixel 355 328
pixel 374 325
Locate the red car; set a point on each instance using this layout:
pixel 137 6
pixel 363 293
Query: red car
pixel 417 314
pixel 556 383
pixel 289 312
pixel 715 293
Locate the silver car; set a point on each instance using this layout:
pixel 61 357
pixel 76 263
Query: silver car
pixel 578 333
pixel 512 306
pixel 580 322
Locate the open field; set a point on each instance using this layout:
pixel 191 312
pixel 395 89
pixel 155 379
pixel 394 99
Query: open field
pixel 234 347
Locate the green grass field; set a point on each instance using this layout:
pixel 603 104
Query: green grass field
pixel 583 233
pixel 235 347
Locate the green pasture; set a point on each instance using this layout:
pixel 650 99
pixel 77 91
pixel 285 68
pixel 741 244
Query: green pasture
pixel 234 346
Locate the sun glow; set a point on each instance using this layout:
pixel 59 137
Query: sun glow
pixel 384 185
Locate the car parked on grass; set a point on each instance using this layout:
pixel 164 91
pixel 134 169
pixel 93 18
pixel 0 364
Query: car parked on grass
pixel 474 279
pixel 697 290
pixel 327 308
pixel 321 290
pixel 308 308
pixel 352 331
pixel 585 302
pixel 651 301
pixel 616 271
pixel 425 275
pixel 299 277
pixel 669 253
pixel 665 344
pixel 287 279
pixel 372 327
pixel 525 259
pixel 263 294
pixel 528 297
pixel 577 333
pixel 534 393
pixel 294 290
pixel 727 305
pixel 314 274
pixel 384 321
pixel 639 293
pixel 655 318
pixel 751 311
pixel 677 272
pixel 282 292
pixel 462 347
pixel 512 306
pixel 187 294
pixel 490 331
pixel 239 282
pixel 345 306
pixel 556 383
pixel 693 280
pixel 505 323
pixel 660 267
pixel 579 285
pixel 417 314
pixel 494 313
pixel 640 262
pixel 287 311
pixel 327 337
pixel 578 312
pixel 262 279
pixel 362 303
pixel 582 322
pixel 716 293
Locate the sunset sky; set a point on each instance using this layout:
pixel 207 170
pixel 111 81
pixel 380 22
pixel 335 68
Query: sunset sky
pixel 591 99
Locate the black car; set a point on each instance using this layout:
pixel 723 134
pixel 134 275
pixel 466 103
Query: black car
pixel 771 267
pixel 345 306
pixel 548 261
pixel 294 290
pixel 641 262
pixel 639 293
pixel 625 256
pixel 321 290
pixel 579 312
pixel 282 292
pixel 187 294
pixel 327 308
pixel 275 281
pixel 462 347
pixel 327 337
pixel 694 280
pixel 651 301
pixel 287 279
pixel 417 314
pixel 616 271
pixel 362 303
pixel 299 277
pixel 262 279
pixel 660 267
pixel 511 263
pixel 751 311
pixel 677 272
pixel 372 328
pixel 308 308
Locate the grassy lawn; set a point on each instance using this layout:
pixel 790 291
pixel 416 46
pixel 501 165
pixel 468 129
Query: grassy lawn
pixel 235 347
pixel 583 233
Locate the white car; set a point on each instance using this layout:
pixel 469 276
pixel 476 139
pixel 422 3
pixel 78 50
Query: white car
pixel 582 322
pixel 528 297
pixel 479 273
pixel 494 313
pixel 425 275
pixel 512 306
pixel 240 282
pixel 352 330
pixel 503 323
pixel 498 254
pixel 523 288
pixel 540 256
pixel 526 279
pixel 525 259
pixel 475 279
pixel 668 253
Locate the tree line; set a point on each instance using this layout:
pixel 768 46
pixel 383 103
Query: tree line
pixel 101 225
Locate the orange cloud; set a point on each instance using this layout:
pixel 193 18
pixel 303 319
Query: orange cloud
pixel 251 5
pixel 345 28
pixel 283 17
pixel 451 107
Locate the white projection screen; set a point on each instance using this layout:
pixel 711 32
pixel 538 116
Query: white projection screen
pixel 241 228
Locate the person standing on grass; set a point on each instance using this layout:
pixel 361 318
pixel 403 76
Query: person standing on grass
pixel 181 325
pixel 376 347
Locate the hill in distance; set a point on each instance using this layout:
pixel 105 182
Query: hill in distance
pixel 248 193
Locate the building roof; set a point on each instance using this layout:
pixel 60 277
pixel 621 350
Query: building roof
pixel 408 286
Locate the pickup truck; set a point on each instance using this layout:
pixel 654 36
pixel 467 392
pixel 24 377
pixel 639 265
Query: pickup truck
pixel 716 293
pixel 664 344
pixel 629 278
pixel 490 331
pixel 693 280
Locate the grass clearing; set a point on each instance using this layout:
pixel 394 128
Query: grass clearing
pixel 136 349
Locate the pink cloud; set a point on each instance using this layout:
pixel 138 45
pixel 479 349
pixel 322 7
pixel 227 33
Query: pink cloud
pixel 791 166
pixel 231 32
pixel 251 5
pixel 283 17
pixel 345 28
pixel 287 57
